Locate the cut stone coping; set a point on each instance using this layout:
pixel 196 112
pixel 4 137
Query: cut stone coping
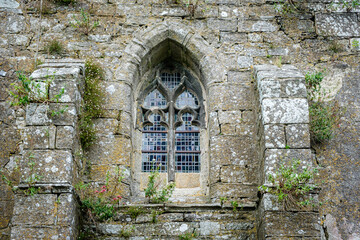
pixel 181 207
pixel 63 63
pixel 49 187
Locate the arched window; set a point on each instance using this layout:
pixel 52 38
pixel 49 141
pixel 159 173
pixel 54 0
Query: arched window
pixel 171 120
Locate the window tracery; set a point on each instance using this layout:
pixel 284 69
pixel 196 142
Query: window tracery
pixel 171 125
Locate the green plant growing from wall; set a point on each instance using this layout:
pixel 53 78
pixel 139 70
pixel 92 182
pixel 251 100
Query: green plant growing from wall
pixel 153 193
pixel 27 90
pixel 286 7
pixel 324 117
pixel 84 23
pixel 54 47
pixel 127 232
pixel 222 201
pixel 33 178
pixel 99 204
pixel 234 205
pixel 91 106
pixel 154 215
pixel 135 211
pixel 291 185
pixel 188 236
pixel 348 5
pixel 355 44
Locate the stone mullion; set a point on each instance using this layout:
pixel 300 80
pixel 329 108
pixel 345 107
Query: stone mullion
pixel 171 141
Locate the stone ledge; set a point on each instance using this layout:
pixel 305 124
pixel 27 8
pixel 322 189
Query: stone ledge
pixel 46 188
pixel 169 207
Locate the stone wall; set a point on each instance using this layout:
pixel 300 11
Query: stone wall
pixel 223 40
pixel 170 221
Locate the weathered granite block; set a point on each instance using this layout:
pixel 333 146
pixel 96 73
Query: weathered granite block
pixel 239 77
pixel 274 136
pixel 237 226
pixel 244 130
pixel 275 157
pixel 38 91
pixel 124 126
pixel 9 4
pixel 36 210
pixel 231 117
pixel 214 127
pixel 298 135
pixel 65 137
pixel 105 127
pixel 14 24
pixel 164 229
pixel 171 217
pixel 233 37
pixel 70 94
pixel 300 224
pixel 285 111
pixel 272 72
pixel 234 191
pixel 39 137
pixel 226 150
pixel 110 150
pixel 340 25
pixel 33 233
pixel 37 114
pixel 118 96
pixel 68 117
pixel 229 25
pixel 71 74
pixel 230 97
pixel 257 26
pixel 233 174
pixel 209 228
pixel 66 210
pixel 278 51
pixel 270 202
pixel 53 166
pixel 244 62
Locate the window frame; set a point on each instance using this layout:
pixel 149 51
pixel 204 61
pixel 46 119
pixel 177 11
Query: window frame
pixel 187 83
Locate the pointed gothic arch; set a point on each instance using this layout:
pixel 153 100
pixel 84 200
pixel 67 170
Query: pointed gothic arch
pixel 149 50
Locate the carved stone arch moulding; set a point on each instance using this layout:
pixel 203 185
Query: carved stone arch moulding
pixel 143 56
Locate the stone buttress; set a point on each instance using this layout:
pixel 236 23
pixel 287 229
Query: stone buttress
pixel 46 162
pixel 284 136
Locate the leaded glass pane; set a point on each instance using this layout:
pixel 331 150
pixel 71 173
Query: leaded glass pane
pixel 171 80
pixel 186 126
pixel 154 162
pixel 187 162
pixel 187 146
pixel 155 99
pixel 154 146
pixel 187 99
pixel 155 119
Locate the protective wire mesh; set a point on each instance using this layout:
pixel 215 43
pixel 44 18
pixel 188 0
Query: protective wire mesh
pixel 187 99
pixel 154 147
pixel 187 143
pixel 155 99
pixel 171 80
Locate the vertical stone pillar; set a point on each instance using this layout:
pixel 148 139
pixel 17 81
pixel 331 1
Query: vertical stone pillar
pixel 284 136
pixel 46 164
